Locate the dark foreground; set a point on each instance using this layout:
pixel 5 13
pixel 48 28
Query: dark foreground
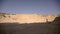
pixel 36 28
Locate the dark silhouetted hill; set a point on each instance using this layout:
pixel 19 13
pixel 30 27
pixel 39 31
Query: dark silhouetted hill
pixel 57 19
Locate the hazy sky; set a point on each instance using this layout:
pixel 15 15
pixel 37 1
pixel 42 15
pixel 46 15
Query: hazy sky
pixel 30 6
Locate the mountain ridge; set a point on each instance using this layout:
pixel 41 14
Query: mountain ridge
pixel 27 18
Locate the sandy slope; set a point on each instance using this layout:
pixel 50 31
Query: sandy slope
pixel 26 18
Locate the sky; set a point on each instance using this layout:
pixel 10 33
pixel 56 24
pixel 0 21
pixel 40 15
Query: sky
pixel 30 6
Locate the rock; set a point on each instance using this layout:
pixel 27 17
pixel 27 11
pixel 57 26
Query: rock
pixel 26 18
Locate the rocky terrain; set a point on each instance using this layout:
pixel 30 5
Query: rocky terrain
pixel 26 18
pixel 7 26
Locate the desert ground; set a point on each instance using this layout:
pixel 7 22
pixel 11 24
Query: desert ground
pixel 26 18
pixel 35 24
